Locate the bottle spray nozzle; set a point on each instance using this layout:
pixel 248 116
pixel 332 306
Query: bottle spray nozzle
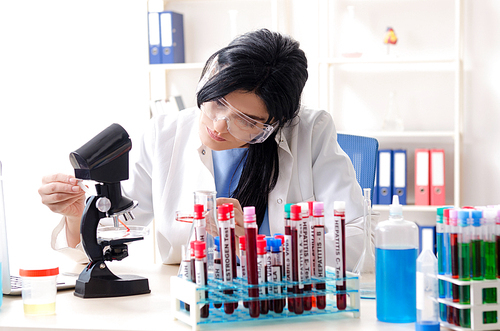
pixel 395 209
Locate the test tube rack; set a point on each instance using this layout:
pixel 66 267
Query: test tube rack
pixel 185 291
pixel 476 306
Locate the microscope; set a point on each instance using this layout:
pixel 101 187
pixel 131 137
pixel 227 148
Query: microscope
pixel 104 159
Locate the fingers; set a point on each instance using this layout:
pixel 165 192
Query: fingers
pixel 62 178
pixel 61 193
pixel 238 214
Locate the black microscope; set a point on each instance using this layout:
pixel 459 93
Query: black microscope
pixel 104 159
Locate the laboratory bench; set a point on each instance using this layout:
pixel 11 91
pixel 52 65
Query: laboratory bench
pixel 153 311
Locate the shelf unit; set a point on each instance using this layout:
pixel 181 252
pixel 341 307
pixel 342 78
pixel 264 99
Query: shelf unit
pixel 237 22
pixel 408 63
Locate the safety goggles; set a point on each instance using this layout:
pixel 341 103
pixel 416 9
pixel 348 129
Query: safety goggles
pixel 239 125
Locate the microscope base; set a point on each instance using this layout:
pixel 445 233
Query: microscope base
pixel 95 282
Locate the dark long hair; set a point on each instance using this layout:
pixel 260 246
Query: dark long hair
pixel 273 67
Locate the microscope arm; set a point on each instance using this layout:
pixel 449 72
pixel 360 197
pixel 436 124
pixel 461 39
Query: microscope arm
pixel 88 229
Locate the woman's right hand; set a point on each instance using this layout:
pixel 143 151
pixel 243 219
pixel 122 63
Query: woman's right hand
pixel 62 195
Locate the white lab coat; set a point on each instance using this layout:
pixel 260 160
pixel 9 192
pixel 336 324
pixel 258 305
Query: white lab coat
pixel 169 163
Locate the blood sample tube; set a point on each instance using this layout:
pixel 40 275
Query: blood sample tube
pixel 277 273
pixel 226 253
pixel 269 270
pixel 233 239
pixel 287 253
pixel 319 252
pixel 251 250
pixel 200 223
pixel 261 267
pixel 201 273
pixel 306 266
pixel 217 265
pixel 186 268
pixel 283 275
pixel 297 257
pixel 243 262
pixel 339 217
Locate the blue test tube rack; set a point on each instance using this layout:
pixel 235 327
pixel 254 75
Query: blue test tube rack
pixel 185 291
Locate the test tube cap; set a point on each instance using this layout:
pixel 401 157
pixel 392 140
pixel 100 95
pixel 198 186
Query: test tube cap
pixel 200 249
pixel 276 245
pixel 339 205
pixel 318 209
pixel 261 247
pixel 249 214
pixel 304 206
pixel 243 243
pixel 198 211
pixel 280 237
pixel 223 212
pixel 295 213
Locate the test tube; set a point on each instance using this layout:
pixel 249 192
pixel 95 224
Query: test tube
pixel 319 252
pixel 497 237
pixel 186 268
pixel 339 217
pixel 489 294
pixel 441 259
pixel 477 248
pixel 200 224
pixel 277 273
pixel 306 266
pixel 283 275
pixel 251 250
pixel 464 240
pixel 287 249
pixel 261 267
pixel 297 258
pixel 269 269
pixel 243 262
pixel 226 253
pixel 217 265
pixel 447 258
pixel 455 292
pixel 201 273
pixel 233 238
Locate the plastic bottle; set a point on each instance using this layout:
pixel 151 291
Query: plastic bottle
pixel 427 286
pixel 396 246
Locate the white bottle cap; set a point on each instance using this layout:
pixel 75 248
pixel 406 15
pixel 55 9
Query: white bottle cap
pixel 427 240
pixel 339 205
pixel 395 208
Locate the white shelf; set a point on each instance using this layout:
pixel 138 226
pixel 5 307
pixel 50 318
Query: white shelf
pixel 388 60
pixel 176 66
pixel 402 134
pixel 432 209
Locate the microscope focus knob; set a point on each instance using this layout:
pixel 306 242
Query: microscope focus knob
pixel 103 204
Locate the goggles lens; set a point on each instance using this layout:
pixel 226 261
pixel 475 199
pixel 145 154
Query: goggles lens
pixel 239 125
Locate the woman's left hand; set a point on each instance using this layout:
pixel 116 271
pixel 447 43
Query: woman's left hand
pixel 238 216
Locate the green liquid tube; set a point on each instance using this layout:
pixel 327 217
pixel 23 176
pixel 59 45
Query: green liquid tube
pixel 490 267
pixel 464 265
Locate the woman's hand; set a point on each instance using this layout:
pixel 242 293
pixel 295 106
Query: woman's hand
pixel 238 215
pixel 62 195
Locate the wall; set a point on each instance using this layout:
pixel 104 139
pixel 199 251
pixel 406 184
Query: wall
pixel 68 70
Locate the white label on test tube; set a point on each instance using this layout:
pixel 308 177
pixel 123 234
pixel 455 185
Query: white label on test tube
pixel 200 275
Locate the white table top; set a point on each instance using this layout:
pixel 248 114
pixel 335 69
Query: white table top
pixel 152 311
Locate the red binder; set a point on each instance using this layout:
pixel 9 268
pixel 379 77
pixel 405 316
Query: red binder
pixel 437 179
pixel 422 196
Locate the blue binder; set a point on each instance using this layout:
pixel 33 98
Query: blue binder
pixel 172 37
pixel 384 176
pixel 154 38
pixel 399 178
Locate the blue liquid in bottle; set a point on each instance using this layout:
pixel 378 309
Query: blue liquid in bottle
pixel 396 285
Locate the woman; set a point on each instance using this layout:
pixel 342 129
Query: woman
pixel 248 139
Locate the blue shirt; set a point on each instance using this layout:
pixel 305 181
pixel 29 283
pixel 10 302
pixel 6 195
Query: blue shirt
pixel 228 165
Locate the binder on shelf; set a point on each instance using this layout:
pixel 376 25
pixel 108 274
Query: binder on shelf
pixel 154 38
pixel 172 37
pixel 437 171
pixel 422 177
pixel 384 175
pixel 399 174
